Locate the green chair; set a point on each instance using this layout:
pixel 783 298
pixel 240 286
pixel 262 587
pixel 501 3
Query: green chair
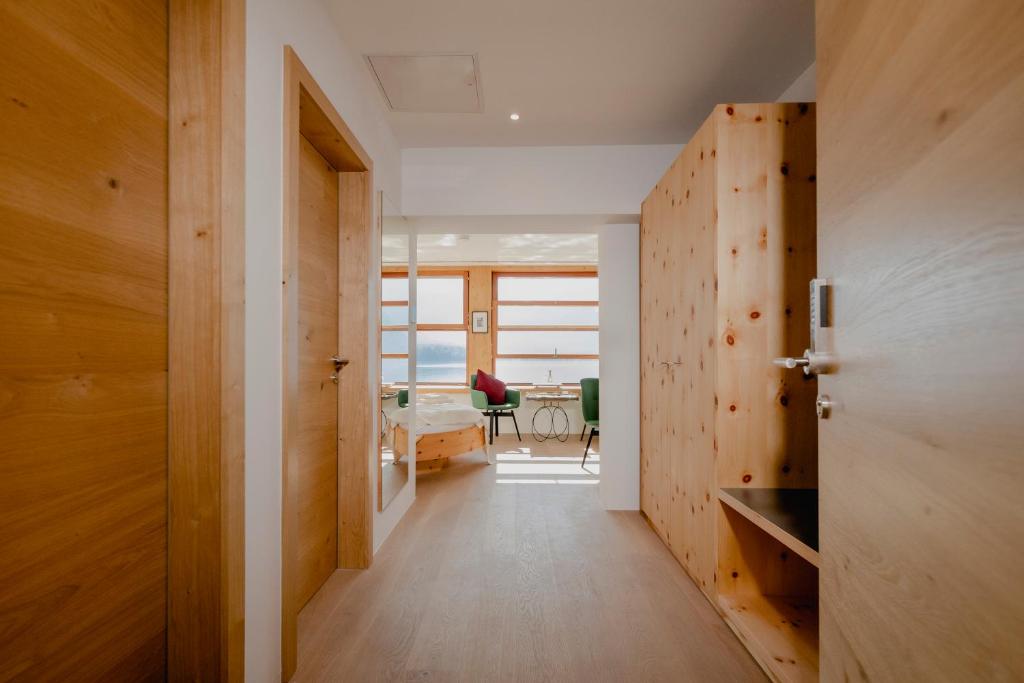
pixel 403 398
pixel 590 403
pixel 496 410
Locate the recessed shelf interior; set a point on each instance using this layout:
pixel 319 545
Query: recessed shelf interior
pixel 781 630
pixel 788 515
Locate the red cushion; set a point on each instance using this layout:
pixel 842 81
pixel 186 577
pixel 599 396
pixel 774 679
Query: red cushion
pixel 492 386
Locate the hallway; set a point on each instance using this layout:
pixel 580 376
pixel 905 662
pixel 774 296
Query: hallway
pixel 514 573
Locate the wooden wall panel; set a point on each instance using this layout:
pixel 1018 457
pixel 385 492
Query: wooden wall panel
pixel 479 347
pixel 678 352
pixel 124 266
pixel 699 436
pixel 922 227
pixel 727 251
pixel 83 340
pixel 767 431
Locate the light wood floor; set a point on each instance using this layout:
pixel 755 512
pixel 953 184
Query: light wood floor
pixel 512 572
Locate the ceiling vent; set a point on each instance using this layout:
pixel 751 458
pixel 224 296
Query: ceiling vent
pixel 442 84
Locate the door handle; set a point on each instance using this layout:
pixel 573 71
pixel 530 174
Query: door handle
pixel 816 360
pixel 792 362
pixel 812 363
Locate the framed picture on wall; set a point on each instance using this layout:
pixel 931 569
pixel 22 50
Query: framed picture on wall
pixel 480 322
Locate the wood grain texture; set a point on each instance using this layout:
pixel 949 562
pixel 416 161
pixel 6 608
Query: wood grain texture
pixel 727 250
pixel 768 593
pixel 487 580
pixel 316 440
pixel 441 445
pixel 790 516
pixel 83 341
pixel 678 362
pixel 207 328
pixel 767 434
pixel 781 632
pixel 358 394
pixel 480 347
pixel 922 231
pixel 766 431
pixel 292 138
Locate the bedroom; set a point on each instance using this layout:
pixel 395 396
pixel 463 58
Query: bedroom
pixel 522 308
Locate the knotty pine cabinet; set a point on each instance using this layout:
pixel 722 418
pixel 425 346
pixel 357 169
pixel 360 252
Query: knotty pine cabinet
pixel 727 242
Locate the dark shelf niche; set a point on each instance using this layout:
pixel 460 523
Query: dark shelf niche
pixel 788 515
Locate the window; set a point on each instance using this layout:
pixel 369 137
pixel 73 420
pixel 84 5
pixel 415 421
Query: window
pixel 394 325
pixel 547 327
pixel 441 328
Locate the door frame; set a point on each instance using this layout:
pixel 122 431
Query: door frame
pixel 308 112
pixel 206 340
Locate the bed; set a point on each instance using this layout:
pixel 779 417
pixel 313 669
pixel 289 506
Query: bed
pixel 442 432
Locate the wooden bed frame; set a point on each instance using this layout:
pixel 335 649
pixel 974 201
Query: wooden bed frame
pixel 435 449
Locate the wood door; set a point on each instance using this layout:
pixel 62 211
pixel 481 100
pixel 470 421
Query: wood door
pixel 654 333
pixel 83 340
pixel 921 215
pixel 317 443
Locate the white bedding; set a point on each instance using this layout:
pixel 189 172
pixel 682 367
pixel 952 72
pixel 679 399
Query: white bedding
pixel 450 415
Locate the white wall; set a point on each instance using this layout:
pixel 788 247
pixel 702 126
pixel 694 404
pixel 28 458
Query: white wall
pixel 620 366
pixel 803 89
pixel 487 181
pixel 306 25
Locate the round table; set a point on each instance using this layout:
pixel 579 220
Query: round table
pixel 551 409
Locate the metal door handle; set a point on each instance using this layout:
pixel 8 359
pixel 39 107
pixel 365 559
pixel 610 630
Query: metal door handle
pixel 812 363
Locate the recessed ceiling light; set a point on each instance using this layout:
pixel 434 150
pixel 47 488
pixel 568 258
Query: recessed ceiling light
pixel 514 116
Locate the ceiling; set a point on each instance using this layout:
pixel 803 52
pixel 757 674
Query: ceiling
pixel 588 72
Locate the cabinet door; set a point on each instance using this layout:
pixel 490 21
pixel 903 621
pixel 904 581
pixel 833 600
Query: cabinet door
pixel 693 357
pixel 653 324
pixel 921 228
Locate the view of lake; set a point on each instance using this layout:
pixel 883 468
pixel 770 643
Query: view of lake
pixel 519 371
pixel 441 354
pixel 441 372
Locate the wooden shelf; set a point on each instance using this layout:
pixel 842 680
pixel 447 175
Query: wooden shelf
pixel 790 516
pixel 781 633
